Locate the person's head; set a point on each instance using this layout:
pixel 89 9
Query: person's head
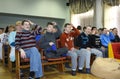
pixel 104 31
pixel 94 30
pixel 115 31
pixel 99 31
pixel 50 27
pixel 87 30
pixel 79 28
pixel 26 25
pixel 1 30
pixel 11 28
pixel 18 26
pixel 67 27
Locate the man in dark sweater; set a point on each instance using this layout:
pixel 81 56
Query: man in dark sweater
pixel 95 40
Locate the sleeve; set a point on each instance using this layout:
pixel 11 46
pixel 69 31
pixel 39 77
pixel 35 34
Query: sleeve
pixel 11 38
pixel 79 41
pixel 111 36
pixel 58 33
pixel 37 31
pixel 18 41
pixel 103 42
pixel 75 32
pixel 62 40
pixel 43 42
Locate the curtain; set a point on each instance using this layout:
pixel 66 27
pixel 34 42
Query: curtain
pixel 80 6
pixel 111 2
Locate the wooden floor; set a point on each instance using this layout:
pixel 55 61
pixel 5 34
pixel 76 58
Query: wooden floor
pixel 49 74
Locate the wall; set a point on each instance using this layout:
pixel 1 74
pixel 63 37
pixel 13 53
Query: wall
pixel 41 8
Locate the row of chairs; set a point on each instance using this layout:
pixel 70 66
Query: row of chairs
pixel 24 63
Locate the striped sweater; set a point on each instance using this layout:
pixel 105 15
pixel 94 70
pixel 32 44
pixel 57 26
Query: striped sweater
pixel 26 39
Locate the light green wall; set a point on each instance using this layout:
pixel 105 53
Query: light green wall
pixel 42 8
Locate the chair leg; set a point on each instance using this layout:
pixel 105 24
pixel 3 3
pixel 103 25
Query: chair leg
pixel 61 67
pixel 18 73
pixel 43 69
pixel 10 65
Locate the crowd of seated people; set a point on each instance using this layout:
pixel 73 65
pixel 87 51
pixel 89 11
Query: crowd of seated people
pixel 89 41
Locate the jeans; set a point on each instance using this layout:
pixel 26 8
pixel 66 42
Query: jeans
pixel 83 57
pixel 35 61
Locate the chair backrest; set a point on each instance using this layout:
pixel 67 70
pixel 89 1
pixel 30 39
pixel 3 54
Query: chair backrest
pixel 116 50
pixel 58 43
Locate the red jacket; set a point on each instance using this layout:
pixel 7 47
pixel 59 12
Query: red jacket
pixel 67 39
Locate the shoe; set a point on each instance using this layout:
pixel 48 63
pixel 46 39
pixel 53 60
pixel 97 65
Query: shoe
pixel 67 65
pixel 30 78
pixel 88 70
pixel 73 73
pixel 80 71
pixel 21 74
pixel 37 78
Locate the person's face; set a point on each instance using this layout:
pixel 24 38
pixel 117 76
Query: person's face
pixel 18 27
pixel 105 31
pixel 68 28
pixel 26 26
pixel 96 31
pixel 1 31
pixel 11 29
pixel 88 30
pixel 50 28
pixel 115 31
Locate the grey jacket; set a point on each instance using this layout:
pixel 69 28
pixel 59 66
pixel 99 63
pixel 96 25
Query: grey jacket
pixel 49 37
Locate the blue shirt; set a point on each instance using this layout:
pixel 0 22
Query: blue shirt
pixel 11 38
pixel 106 39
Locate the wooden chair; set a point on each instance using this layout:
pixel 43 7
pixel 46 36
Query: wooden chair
pixel 59 62
pixel 55 61
pixel 5 54
pixel 20 64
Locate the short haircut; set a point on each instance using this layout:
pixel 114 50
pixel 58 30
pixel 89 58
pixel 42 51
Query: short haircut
pixel 2 29
pixel 24 22
pixel 79 27
pixel 18 23
pixel 50 23
pixel 84 28
pixel 114 28
pixel 66 24
pixel 103 29
pixel 93 28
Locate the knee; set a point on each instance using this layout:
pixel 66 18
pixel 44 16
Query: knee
pixel 74 56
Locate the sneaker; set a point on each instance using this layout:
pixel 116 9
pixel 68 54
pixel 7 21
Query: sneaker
pixel 21 74
pixel 73 73
pixel 30 78
pixel 37 78
pixel 67 67
pixel 80 71
pixel 88 70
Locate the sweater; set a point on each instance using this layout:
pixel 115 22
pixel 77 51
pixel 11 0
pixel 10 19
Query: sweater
pixel 84 40
pixel 67 39
pixel 11 38
pixel 26 39
pixel 49 37
pixel 106 39
pixel 96 43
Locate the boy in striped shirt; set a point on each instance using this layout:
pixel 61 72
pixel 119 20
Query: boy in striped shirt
pixel 26 44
